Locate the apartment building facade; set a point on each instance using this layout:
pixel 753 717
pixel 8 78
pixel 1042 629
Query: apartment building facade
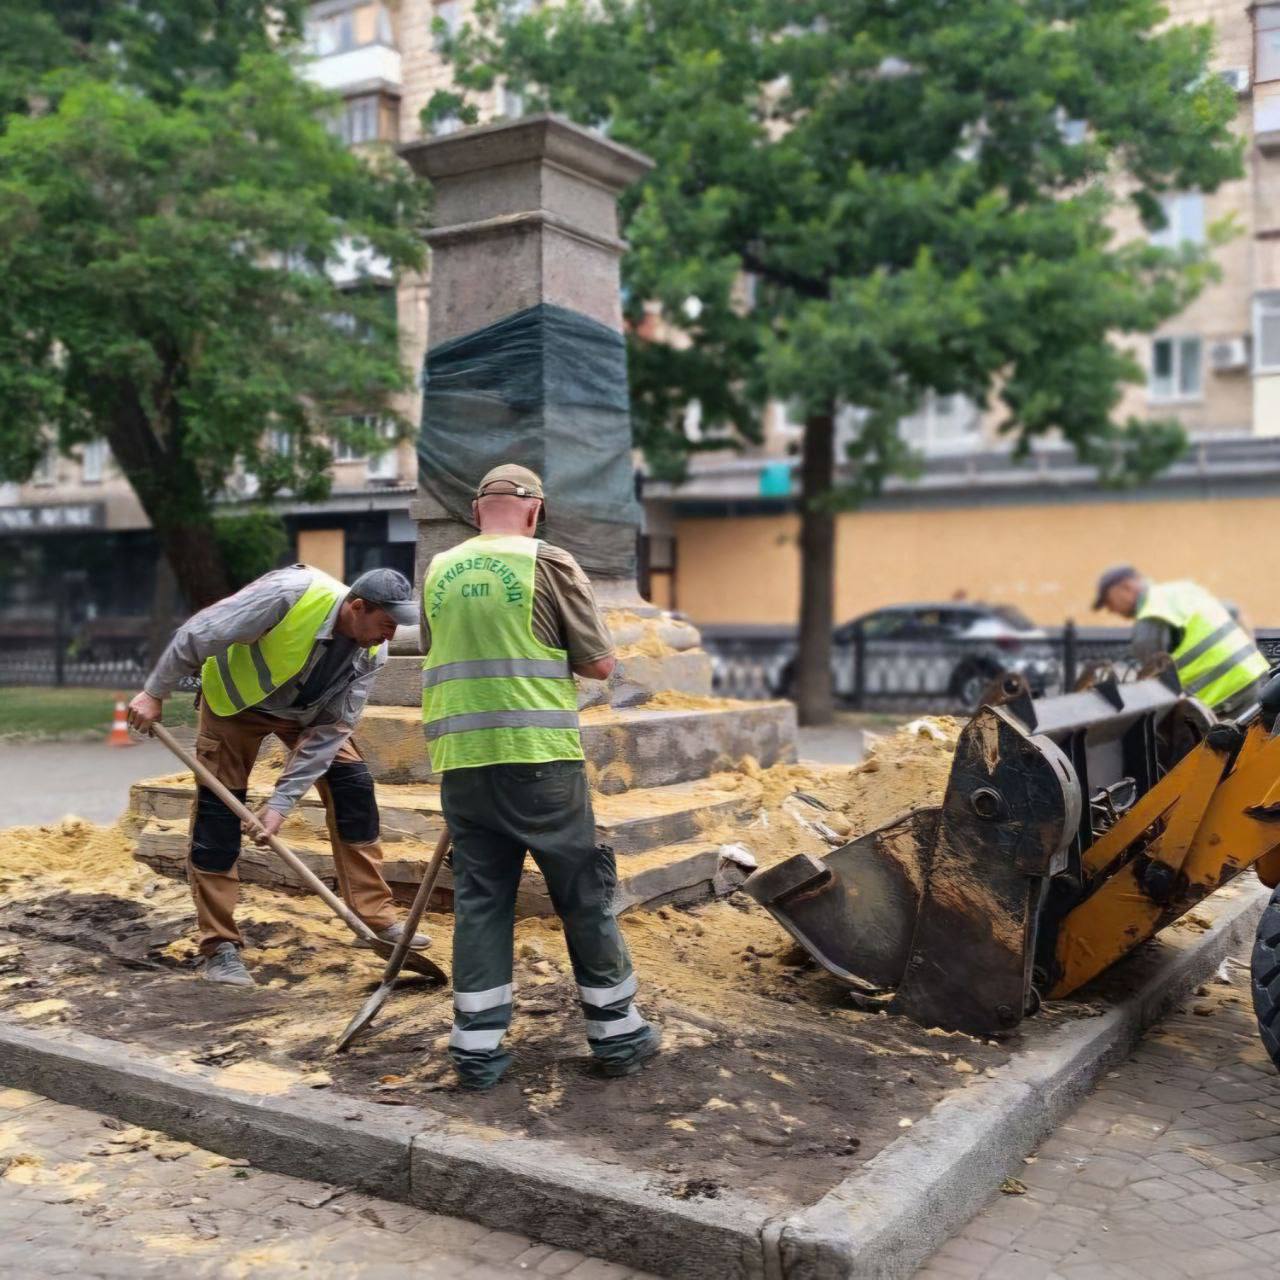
pixel 722 547
pixel 1035 534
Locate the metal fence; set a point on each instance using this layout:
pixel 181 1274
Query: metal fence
pixel 941 675
pixel 49 667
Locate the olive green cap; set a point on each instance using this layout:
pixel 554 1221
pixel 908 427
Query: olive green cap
pixel 510 480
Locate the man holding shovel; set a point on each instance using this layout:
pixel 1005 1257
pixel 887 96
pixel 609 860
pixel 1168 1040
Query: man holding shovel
pixel 507 622
pixel 293 654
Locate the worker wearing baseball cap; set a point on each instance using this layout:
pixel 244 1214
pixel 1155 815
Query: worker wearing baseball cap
pixel 293 654
pixel 1214 656
pixel 507 621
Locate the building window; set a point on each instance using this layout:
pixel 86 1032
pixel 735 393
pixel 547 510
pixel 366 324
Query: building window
pixel 385 465
pixel 1183 220
pixel 942 424
pixel 280 443
pixel 1266 333
pixel 46 471
pixel 448 19
pixel 1175 369
pixel 350 28
pixel 1266 28
pixel 381 464
pixel 358 120
pixel 93 461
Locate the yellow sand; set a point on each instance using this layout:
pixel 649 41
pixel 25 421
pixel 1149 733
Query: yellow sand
pixel 727 960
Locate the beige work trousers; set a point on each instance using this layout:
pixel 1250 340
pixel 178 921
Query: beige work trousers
pixel 228 746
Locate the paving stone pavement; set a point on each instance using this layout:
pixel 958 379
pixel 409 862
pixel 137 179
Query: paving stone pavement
pixel 88 1196
pixel 1171 1168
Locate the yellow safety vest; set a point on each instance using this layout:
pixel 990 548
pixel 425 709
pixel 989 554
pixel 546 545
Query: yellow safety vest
pixel 244 674
pixel 1215 658
pixel 492 693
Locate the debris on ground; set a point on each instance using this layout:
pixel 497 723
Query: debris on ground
pixel 770 1080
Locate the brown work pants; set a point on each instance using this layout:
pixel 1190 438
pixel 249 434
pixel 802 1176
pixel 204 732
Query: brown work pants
pixel 228 746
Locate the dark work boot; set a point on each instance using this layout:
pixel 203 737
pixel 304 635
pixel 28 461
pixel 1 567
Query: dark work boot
pixel 645 1052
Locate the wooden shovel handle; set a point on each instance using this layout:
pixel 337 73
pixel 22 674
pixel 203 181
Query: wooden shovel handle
pixel 420 899
pixel 278 846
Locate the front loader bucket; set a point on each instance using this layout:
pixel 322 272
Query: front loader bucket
pixel 934 915
pixel 855 910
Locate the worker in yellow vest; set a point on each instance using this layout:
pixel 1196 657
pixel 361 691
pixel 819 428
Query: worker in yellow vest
pixel 293 654
pixel 1214 656
pixel 507 620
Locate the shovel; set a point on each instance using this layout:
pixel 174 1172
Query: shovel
pixel 418 963
pixel 392 971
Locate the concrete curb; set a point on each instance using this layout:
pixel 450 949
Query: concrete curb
pixel 880 1222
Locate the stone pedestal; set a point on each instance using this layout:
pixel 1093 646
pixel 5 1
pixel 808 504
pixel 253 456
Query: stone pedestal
pixel 525 223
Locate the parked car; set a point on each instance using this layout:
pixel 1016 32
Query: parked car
pixel 949 650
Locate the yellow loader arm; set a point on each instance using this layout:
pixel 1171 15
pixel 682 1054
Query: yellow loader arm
pixel 1072 830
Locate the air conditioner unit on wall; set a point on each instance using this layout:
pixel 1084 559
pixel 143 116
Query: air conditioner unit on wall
pixel 1228 354
pixel 1237 78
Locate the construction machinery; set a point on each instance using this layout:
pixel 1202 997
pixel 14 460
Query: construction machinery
pixel 1073 829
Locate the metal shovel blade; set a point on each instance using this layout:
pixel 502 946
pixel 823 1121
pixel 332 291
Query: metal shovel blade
pixel 367 1012
pixel 415 960
pixel 400 954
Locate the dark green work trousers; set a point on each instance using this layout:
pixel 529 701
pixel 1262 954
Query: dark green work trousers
pixel 494 814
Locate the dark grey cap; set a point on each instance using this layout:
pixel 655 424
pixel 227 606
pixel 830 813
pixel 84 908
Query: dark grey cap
pixel 1117 573
pixel 389 589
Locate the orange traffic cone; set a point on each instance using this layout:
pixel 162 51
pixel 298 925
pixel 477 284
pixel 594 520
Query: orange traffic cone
pixel 119 735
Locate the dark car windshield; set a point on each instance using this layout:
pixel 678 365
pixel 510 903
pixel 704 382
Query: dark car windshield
pixel 1014 617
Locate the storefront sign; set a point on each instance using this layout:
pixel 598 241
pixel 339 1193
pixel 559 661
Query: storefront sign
pixel 63 518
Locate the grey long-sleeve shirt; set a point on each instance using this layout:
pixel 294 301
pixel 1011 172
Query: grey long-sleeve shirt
pixel 330 712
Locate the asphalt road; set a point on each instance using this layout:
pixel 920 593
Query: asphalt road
pixel 46 781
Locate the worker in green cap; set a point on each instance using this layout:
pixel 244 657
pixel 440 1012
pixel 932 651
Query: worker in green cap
pixel 507 621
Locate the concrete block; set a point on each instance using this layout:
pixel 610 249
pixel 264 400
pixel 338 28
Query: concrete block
pixel 631 823
pixel 678 873
pixel 624 747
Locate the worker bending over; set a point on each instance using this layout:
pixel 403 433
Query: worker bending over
pixel 1214 656
pixel 507 621
pixel 293 654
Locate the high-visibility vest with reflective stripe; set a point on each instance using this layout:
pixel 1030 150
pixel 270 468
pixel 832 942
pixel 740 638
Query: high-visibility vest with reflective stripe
pixel 244 674
pixel 492 693
pixel 1215 658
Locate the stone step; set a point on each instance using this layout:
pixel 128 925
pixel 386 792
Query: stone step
pixel 684 873
pixel 679 739
pixel 630 822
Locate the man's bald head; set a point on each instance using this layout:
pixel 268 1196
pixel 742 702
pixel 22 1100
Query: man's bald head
pixel 507 513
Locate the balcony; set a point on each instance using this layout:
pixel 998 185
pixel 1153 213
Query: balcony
pixel 369 67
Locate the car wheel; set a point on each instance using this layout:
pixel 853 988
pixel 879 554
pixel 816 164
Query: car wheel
pixel 970 682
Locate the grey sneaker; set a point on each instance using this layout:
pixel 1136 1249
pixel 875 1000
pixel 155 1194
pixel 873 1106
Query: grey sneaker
pixel 225 965
pixel 393 933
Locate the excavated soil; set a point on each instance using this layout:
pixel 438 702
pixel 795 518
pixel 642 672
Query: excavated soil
pixel 770 1083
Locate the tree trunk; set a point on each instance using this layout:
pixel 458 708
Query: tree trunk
pixel 164 603
pixel 170 489
pixel 817 571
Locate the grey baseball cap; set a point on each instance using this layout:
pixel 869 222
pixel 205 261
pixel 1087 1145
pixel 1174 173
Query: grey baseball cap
pixel 390 590
pixel 1109 578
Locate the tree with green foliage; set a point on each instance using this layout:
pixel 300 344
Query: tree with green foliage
pixel 171 205
pixel 919 196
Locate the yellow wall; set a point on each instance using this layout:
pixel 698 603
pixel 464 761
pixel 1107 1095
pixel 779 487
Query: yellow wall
pixel 323 549
pixel 1045 559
